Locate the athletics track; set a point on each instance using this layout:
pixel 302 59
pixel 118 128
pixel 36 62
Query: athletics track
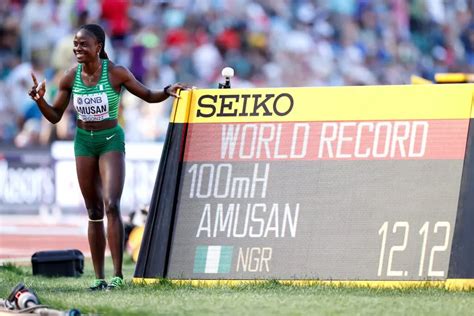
pixel 22 236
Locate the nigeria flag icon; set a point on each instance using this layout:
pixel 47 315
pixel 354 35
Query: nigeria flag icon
pixel 213 259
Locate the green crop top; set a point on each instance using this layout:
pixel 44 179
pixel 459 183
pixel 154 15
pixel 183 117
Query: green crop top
pixel 96 103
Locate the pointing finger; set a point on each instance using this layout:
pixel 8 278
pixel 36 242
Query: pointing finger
pixel 34 79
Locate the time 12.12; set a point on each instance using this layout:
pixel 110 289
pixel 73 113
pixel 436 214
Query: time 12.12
pixel 428 256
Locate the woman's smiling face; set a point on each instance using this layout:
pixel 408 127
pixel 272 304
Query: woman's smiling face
pixel 85 47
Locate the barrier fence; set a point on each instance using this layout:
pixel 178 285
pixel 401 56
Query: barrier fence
pixel 43 179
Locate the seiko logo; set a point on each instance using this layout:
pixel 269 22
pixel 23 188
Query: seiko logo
pixel 245 105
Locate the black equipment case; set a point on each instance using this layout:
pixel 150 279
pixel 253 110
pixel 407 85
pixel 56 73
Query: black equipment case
pixel 68 263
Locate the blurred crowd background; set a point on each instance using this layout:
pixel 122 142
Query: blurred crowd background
pixel 269 43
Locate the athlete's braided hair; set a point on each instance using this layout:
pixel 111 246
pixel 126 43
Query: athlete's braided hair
pixel 97 31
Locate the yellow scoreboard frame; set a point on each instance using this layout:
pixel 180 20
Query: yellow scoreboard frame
pixel 427 132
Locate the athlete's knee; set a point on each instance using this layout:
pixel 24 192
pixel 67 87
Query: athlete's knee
pixel 95 214
pixel 95 210
pixel 112 206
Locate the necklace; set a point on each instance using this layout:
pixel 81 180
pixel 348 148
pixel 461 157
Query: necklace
pixel 88 77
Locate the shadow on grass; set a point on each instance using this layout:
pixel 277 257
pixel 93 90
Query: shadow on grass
pixel 12 268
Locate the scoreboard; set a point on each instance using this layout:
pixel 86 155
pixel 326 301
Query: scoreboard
pixel 347 183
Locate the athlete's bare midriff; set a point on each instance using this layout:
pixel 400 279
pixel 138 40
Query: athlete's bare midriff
pixel 96 126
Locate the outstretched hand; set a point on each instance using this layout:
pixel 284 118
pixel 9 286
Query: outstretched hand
pixel 173 89
pixel 37 91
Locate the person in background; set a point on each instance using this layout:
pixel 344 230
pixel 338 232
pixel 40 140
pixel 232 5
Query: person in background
pixel 94 86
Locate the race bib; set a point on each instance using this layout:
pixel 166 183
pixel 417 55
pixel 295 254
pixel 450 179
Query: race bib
pixel 92 107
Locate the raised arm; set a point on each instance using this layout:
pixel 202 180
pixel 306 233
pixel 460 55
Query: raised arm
pixel 53 113
pixel 124 77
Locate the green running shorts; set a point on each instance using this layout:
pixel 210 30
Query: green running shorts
pixel 96 143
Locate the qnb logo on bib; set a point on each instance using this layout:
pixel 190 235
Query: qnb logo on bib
pixel 92 107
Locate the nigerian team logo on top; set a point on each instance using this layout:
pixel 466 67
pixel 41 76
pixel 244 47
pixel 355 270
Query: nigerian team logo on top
pixel 213 259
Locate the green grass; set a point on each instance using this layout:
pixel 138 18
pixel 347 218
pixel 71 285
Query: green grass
pixel 270 298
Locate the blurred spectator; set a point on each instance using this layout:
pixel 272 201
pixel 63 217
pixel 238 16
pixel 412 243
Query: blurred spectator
pixel 269 43
pixel 29 134
pixel 40 27
pixel 116 21
pixel 18 82
pixel 62 57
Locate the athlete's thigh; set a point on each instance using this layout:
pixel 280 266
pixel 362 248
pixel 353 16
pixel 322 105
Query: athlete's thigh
pixel 112 173
pixel 89 181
